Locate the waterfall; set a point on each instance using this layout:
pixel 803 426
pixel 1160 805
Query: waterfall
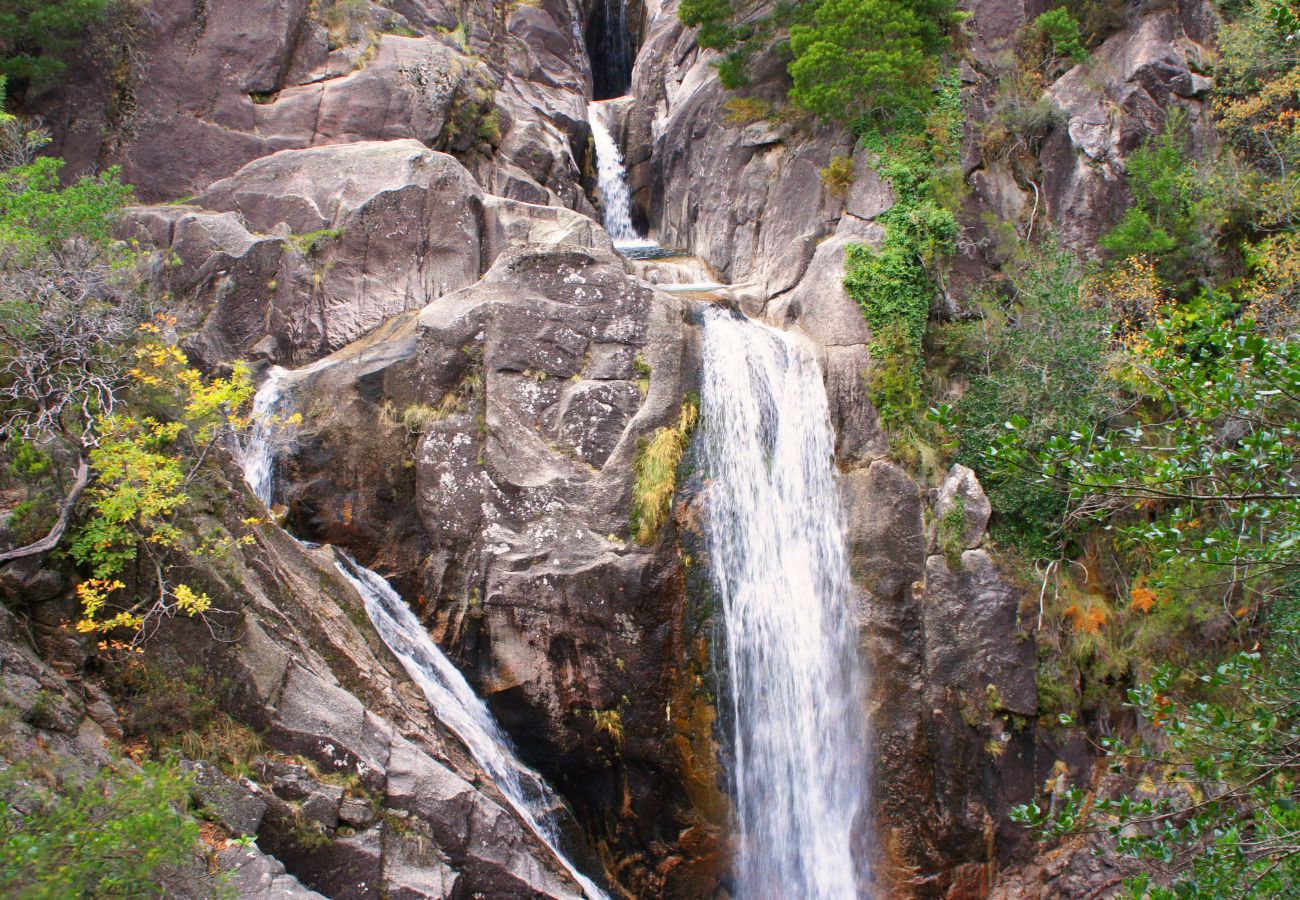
pixel 609 46
pixel 258 455
pixel 449 695
pixel 612 179
pixel 774 534
pixel 459 708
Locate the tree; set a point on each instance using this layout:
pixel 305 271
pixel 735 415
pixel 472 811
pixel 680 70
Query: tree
pixel 868 57
pixel 36 34
pixel 96 397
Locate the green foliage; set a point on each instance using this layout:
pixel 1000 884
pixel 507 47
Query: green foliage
pixel 868 57
pixel 314 241
pixel 1173 219
pixel 893 285
pixel 35 35
pixel 713 17
pixel 1226 821
pixel 115 835
pixel 38 214
pixel 951 533
pixel 656 472
pixel 1039 348
pixel 1212 471
pixel 1061 31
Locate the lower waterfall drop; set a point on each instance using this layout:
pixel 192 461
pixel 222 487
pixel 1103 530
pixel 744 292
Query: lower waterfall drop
pixel 774 534
pixel 448 694
pixel 459 708
pixel 612 180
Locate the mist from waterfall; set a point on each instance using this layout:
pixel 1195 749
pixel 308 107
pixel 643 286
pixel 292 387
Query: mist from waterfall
pixel 774 533
pixel 449 695
pixel 612 179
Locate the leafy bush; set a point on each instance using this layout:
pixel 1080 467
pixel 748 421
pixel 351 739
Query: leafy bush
pixel 1174 220
pixel 893 285
pixel 867 57
pixel 1060 30
pixel 116 835
pixel 1045 351
pixel 38 214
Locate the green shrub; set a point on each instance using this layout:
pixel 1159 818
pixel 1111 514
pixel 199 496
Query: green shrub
pixel 1044 351
pixel 116 835
pixel 1060 30
pixel 314 241
pixel 1174 218
pixel 35 35
pixel 868 57
pixel 38 213
pixel 951 533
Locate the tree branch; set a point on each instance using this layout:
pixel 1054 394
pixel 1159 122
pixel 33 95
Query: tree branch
pixel 48 543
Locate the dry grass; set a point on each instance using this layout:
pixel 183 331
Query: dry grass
pixel 656 473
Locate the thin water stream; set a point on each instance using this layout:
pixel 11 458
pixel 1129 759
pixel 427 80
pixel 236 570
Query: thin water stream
pixel 449 695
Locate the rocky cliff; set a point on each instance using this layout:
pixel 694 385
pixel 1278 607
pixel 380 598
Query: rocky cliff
pixel 403 195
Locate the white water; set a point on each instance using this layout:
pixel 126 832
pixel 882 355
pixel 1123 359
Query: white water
pixel 775 538
pixel 459 708
pixel 612 179
pixel 449 695
pixel 259 447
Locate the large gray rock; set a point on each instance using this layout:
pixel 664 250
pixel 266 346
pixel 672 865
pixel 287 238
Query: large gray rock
pixel 482 454
pixel 208 87
pixel 315 248
pixel 962 490
pixel 1112 104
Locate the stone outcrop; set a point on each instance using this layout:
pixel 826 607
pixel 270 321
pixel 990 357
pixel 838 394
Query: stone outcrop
pixel 183 94
pixel 291 662
pixel 482 453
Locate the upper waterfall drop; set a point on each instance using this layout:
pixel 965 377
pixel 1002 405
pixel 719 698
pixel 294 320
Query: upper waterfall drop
pixel 774 532
pixel 612 178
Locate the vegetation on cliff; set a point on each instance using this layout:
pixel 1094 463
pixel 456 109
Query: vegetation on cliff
pixel 1165 514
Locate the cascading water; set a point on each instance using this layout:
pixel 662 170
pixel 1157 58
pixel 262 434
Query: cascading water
pixel 609 46
pixel 775 539
pixel 612 179
pixel 459 708
pixel 259 450
pixel 449 695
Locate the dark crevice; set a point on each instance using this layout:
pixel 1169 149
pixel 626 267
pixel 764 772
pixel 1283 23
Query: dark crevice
pixel 612 37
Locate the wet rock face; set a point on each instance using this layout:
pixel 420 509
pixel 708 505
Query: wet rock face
pixel 504 508
pixel 951 665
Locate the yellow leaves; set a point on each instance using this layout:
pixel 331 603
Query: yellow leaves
pixel 1142 599
pixel 191 602
pixel 1133 295
pixel 93 594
